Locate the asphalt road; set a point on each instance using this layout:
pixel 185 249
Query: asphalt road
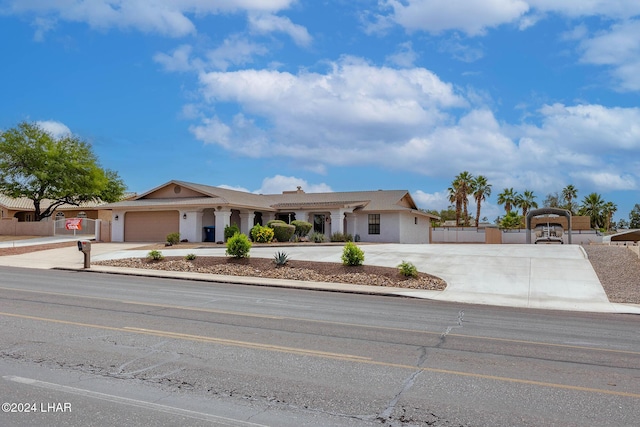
pixel 119 350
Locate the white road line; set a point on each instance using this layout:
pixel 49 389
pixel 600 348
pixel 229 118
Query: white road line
pixel 133 402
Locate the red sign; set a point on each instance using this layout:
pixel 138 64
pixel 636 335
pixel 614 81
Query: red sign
pixel 73 224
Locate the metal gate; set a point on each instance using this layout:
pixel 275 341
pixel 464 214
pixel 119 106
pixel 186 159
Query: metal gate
pixel 75 227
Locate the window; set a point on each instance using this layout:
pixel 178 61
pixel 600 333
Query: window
pixel 374 223
pixel 82 214
pixel 59 215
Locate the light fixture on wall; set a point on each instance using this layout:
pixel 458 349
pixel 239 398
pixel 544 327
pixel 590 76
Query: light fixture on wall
pixel 116 218
pixel 184 216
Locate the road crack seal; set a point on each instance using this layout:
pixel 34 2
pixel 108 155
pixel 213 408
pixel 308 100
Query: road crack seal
pixel 408 383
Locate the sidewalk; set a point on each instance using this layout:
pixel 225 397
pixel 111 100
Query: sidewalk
pixel 556 277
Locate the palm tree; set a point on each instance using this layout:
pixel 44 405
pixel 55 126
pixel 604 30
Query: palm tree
pixel 465 186
pixel 507 198
pixel 454 199
pixel 593 207
pixel 526 201
pixel 481 189
pixel 609 209
pixel 569 193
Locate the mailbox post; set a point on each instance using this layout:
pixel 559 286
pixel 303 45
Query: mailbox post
pixel 84 246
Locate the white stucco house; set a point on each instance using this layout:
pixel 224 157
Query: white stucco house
pixel 201 213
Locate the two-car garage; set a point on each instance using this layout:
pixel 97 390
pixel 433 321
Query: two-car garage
pixel 150 226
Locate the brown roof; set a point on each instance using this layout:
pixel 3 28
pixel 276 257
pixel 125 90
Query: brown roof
pixel 380 200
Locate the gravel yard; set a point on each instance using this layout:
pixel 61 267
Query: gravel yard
pixel 618 269
pixel 293 270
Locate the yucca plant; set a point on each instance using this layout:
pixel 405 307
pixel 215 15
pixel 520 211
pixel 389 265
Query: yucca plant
pixel 280 258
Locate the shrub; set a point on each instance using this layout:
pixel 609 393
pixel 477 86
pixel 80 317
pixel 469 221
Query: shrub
pixel 275 221
pixel 352 255
pixel 260 234
pixel 155 255
pixel 173 238
pixel 230 230
pixel 190 257
pixel 281 258
pixel 238 246
pixel 283 232
pixel 341 237
pixel 302 228
pixel 407 269
pixel 317 237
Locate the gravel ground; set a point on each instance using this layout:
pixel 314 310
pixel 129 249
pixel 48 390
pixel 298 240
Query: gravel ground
pixel 618 269
pixel 293 270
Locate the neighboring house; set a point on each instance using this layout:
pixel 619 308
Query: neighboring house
pixel 22 209
pixel 201 213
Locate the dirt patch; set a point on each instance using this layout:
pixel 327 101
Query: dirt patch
pixel 18 250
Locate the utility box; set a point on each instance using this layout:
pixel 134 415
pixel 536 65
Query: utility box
pixel 84 246
pixel 210 233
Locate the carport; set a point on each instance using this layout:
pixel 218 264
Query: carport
pixel 547 211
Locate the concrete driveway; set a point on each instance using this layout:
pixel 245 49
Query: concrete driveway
pixel 558 277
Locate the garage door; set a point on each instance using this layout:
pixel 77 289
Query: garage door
pixel 150 226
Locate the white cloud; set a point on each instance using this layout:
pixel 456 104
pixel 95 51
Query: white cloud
pixel 235 50
pixel 55 128
pixel 618 48
pixel 470 16
pixel 167 17
pixel 269 23
pixel 404 57
pixel 178 60
pixel 618 9
pixel 607 181
pixel 279 183
pixel 408 119
pixel 438 200
pixel 474 17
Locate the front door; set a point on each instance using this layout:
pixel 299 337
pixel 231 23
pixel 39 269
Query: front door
pixel 318 223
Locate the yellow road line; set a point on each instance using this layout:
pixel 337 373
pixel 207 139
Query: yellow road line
pixel 347 357
pixel 328 322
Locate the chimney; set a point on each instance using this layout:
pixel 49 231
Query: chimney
pixel 298 191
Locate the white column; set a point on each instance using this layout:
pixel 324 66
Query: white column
pixel 337 225
pixel 223 219
pixel 246 222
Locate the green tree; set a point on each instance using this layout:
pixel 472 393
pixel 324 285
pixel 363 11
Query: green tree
pixel 634 217
pixel 481 189
pixel 39 166
pixel 511 220
pixel 552 200
pixel 508 198
pixel 593 207
pixel 568 194
pixel 526 201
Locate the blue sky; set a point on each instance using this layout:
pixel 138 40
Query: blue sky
pixel 340 95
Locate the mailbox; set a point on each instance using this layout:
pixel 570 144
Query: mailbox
pixel 84 246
